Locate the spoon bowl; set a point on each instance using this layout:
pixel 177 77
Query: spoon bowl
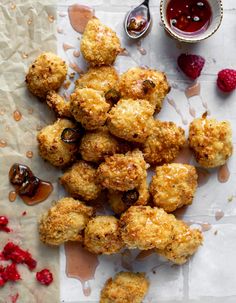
pixel 138 21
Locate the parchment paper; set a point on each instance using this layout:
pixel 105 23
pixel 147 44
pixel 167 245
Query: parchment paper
pixel 210 275
pixel 25 31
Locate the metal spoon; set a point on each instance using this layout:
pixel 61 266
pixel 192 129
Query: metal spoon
pixel 138 21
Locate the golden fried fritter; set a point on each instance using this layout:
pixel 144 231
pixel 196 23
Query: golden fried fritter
pixel 173 186
pixel 79 181
pixel 121 201
pixel 97 144
pixel 52 148
pixel 101 78
pixel 58 104
pixel 102 235
pixel 164 143
pixel 148 84
pixel 89 108
pixel 46 73
pixel 64 221
pixel 131 120
pixel 145 228
pixel 125 287
pixel 99 44
pixel 211 141
pixel 184 244
pixel 122 172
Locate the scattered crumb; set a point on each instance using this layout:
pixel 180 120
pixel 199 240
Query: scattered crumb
pixel 154 272
pixel 66 84
pixel 72 75
pixel 216 232
pixel 24 213
pixel 230 199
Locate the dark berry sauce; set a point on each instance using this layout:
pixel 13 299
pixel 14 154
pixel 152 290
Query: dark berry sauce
pixel 189 16
pixel 30 188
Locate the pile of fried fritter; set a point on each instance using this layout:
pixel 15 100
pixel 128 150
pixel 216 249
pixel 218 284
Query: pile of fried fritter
pixel 106 137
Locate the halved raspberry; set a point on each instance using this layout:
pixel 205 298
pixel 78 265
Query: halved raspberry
pixel 44 277
pixel 226 80
pixel 191 65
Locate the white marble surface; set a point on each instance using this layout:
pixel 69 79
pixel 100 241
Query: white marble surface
pixel 210 275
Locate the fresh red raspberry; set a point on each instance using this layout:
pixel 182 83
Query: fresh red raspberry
pixel 191 65
pixel 14 253
pixel 44 277
pixel 226 80
pixel 10 273
pixel 3 221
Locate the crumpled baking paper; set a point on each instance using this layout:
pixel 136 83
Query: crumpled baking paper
pixel 26 29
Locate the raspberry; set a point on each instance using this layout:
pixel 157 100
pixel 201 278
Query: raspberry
pixel 3 221
pixel 10 273
pixel 191 65
pixel 226 80
pixel 14 253
pixel 44 277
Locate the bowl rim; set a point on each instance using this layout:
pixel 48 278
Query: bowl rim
pixel 186 39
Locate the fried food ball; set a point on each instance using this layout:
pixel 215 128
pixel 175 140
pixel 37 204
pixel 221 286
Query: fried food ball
pixel 102 235
pixel 64 221
pixel 97 144
pixel 52 148
pixel 99 44
pixel 147 84
pixel 58 104
pixel 89 108
pixel 101 78
pixel 184 244
pixel 122 172
pixel 79 181
pixel 145 228
pixel 211 141
pixel 125 287
pixel 121 201
pixel 164 143
pixel 173 186
pixel 46 73
pixel 131 120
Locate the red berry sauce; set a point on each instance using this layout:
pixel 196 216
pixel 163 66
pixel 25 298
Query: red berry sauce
pixel 44 277
pixel 189 16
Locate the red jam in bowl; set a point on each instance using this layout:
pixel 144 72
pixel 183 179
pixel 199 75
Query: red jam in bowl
pixel 189 16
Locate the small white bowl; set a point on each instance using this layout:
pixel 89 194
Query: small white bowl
pixel 217 15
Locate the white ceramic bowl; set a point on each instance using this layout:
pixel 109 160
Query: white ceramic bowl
pixel 217 15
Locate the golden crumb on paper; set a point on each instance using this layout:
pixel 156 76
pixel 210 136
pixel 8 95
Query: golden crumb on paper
pixel 51 18
pixel 29 21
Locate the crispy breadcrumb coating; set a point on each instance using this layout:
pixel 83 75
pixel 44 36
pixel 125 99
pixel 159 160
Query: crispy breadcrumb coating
pixel 52 148
pixel 131 120
pixel 148 84
pixel 184 244
pixel 125 287
pixel 58 104
pixel 121 201
pixel 102 235
pixel 46 73
pixel 79 181
pixel 145 228
pixel 89 108
pixel 173 186
pixel 64 221
pixel 97 144
pixel 164 143
pixel 122 172
pixel 99 44
pixel 211 141
pixel 101 78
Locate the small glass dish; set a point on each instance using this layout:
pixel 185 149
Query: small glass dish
pixel 216 19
